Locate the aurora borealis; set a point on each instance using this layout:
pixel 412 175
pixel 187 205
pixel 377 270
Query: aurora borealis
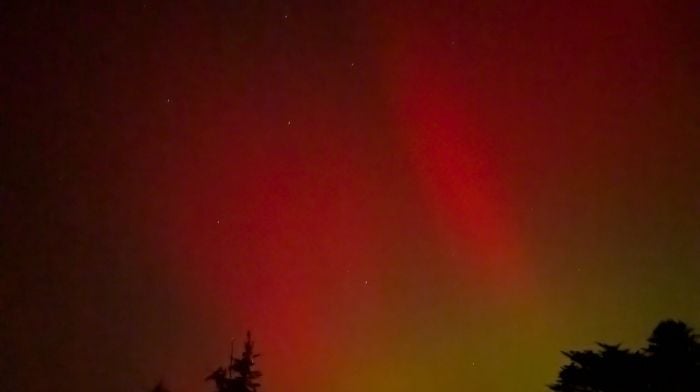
pixel 413 196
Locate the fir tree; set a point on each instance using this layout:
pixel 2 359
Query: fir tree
pixel 241 376
pixel 670 363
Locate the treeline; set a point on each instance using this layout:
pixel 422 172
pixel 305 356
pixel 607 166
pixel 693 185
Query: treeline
pixel 669 363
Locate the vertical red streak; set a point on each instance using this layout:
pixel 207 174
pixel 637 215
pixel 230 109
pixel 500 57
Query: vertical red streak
pixel 450 152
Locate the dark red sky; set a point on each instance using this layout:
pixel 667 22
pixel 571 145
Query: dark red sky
pixel 416 196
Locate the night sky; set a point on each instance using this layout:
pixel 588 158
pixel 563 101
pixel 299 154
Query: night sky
pixel 418 196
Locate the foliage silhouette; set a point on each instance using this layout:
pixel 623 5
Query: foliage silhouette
pixel 240 376
pixel 670 363
pixel 160 387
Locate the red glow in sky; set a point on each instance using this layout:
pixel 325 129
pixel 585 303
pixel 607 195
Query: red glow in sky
pixel 421 196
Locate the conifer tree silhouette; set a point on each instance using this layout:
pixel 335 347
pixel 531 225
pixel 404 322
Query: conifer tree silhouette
pixel 241 377
pixel 674 356
pixel 670 363
pixel 610 369
pixel 160 387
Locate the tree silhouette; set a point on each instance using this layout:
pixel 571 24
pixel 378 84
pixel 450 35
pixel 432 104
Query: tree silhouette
pixel 241 377
pixel 670 363
pixel 674 355
pixel 160 387
pixel 610 369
